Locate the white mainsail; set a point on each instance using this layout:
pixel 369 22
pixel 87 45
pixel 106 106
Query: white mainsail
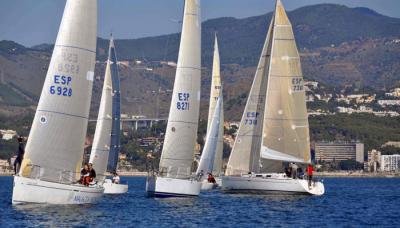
pixel 216 90
pixel 102 137
pixel 286 130
pixel 244 157
pixel 209 152
pixel 181 134
pixel 56 140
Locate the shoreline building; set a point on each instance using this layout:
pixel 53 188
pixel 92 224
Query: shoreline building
pixel 390 163
pixel 339 151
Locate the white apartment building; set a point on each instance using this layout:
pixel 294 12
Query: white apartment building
pixel 390 163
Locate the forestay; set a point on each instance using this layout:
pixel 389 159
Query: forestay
pixel 286 129
pixel 102 139
pixel 56 140
pixel 245 153
pixel 181 134
pixel 216 90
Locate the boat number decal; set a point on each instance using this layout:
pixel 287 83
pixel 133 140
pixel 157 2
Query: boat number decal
pixel 82 199
pixel 297 84
pixel 251 118
pixel 61 86
pixel 183 101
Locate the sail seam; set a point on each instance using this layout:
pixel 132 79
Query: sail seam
pixel 176 121
pixel 75 47
pixel 193 68
pixel 65 114
pixel 101 149
pixel 285 76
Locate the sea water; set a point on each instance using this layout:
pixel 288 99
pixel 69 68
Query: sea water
pixel 354 202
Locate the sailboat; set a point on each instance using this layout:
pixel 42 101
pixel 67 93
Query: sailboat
pixel 274 129
pixel 215 92
pixel 106 143
pixel 175 170
pixel 209 153
pixel 54 151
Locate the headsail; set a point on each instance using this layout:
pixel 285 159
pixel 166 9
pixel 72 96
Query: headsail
pixel 209 151
pixel 56 140
pixel 245 153
pixel 101 143
pixel 181 134
pixel 115 146
pixel 216 90
pixel 286 130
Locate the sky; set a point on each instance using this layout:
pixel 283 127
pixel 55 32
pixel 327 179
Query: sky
pixel 32 22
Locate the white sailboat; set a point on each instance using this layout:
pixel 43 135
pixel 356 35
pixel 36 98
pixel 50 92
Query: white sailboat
pixel 175 176
pixel 216 90
pixel 274 128
pixel 54 151
pixel 208 155
pixel 105 147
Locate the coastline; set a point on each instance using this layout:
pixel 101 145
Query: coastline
pixel 356 174
pixel 316 174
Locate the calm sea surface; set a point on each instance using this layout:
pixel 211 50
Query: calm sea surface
pixel 348 202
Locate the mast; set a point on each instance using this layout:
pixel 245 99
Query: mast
pixel 286 130
pixel 101 143
pixel 115 146
pixel 56 140
pixel 181 134
pixel 216 90
pixel 245 157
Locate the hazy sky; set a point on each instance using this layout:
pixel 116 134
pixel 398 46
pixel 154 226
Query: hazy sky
pixel 32 22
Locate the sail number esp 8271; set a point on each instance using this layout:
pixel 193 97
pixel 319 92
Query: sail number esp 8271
pixel 183 101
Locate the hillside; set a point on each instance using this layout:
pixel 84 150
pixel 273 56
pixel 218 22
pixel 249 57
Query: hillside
pixel 338 45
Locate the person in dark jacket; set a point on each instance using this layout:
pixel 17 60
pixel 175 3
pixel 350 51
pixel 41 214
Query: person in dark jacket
pixel 20 154
pixel 92 172
pixel 85 175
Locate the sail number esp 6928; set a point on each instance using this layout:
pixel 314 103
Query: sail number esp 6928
pixel 183 101
pixel 61 86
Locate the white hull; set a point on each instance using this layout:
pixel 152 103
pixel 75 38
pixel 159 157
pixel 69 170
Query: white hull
pixel 170 187
pixel 275 182
pixel 206 186
pixel 27 190
pixel 111 188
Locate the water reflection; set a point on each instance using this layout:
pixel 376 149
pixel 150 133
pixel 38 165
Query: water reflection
pixel 55 216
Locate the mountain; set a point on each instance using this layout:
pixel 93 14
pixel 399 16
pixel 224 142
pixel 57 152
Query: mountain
pixel 338 45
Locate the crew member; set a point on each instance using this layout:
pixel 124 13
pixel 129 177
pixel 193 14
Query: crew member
pixel 20 154
pixel 211 178
pixel 116 178
pixel 309 174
